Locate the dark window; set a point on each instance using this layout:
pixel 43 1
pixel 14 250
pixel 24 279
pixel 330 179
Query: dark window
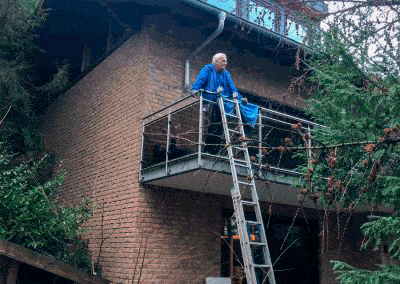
pixel 294 249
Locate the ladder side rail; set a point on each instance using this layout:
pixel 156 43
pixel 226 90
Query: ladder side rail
pixel 228 143
pixel 236 196
pixel 244 241
pixel 246 151
pixel 266 253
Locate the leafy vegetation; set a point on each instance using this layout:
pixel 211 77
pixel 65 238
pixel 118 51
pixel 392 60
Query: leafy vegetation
pixel 19 95
pixel 356 87
pixel 29 212
pixel 30 215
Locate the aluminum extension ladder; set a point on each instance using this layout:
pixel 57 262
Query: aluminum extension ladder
pixel 250 226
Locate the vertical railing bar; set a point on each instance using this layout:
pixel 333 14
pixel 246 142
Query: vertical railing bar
pixel 260 127
pixel 309 145
pixel 199 160
pixel 141 155
pixel 168 141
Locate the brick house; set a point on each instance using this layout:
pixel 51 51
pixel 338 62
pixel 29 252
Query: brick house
pixel 160 220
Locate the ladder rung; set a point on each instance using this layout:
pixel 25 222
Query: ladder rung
pixel 239 148
pixel 240 161
pixel 234 131
pixel 253 222
pixel 250 203
pixel 241 166
pixel 248 183
pixel 257 244
pixel 231 115
pixel 261 265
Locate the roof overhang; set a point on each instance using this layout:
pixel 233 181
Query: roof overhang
pixel 205 7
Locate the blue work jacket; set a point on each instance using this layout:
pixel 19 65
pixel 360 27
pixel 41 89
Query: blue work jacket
pixel 210 80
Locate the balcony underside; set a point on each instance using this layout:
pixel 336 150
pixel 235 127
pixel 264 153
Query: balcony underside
pixel 212 174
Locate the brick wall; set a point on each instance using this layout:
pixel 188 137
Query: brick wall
pixel 156 235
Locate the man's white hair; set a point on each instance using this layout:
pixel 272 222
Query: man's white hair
pixel 218 55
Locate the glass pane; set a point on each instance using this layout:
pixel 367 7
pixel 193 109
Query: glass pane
pixel 184 129
pixel 155 142
pixel 262 16
pixel 296 31
pixel 227 5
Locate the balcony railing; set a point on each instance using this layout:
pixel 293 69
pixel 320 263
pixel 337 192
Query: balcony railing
pixel 188 135
pixel 273 16
pixel 318 6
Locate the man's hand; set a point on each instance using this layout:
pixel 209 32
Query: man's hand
pixel 194 93
pixel 245 100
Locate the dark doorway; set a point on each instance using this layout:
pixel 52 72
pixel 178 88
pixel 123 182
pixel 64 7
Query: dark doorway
pixel 294 250
pixel 293 247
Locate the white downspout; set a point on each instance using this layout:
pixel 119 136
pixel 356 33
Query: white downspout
pixel 217 32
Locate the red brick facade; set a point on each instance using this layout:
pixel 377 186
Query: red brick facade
pixel 95 130
pixel 155 235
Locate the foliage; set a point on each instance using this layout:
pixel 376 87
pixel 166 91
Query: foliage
pixel 388 274
pixel 30 215
pixel 19 97
pixel 29 212
pixel 356 94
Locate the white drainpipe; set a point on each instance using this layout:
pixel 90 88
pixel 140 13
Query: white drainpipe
pixel 217 32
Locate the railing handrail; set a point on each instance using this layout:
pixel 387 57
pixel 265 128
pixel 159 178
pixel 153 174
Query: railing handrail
pixel 167 107
pixel 262 109
pixel 271 111
pixel 291 117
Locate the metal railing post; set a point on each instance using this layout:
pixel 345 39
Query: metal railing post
pixel 141 154
pixel 199 160
pixel 168 141
pixel 260 127
pixel 309 144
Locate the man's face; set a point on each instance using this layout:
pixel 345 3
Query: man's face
pixel 221 63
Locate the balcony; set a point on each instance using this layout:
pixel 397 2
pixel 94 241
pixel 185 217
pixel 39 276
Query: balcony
pixel 183 147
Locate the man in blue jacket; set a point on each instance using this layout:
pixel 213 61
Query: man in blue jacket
pixel 212 78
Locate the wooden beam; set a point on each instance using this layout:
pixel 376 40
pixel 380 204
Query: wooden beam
pixel 49 264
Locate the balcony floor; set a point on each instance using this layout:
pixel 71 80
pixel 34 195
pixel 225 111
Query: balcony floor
pixel 212 174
